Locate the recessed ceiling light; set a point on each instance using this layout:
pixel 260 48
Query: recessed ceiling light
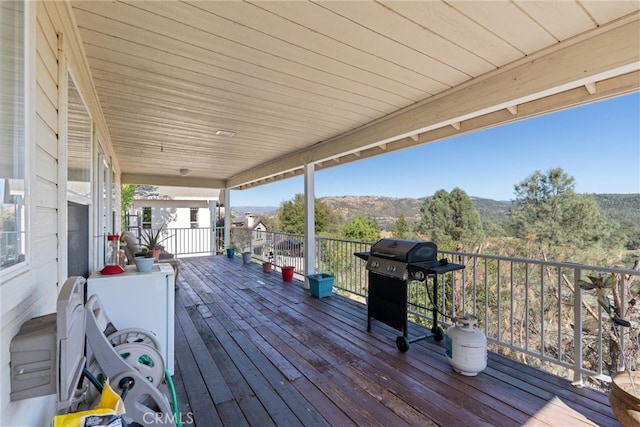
pixel 227 133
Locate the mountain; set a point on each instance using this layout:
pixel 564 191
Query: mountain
pixel 623 208
pixel 385 210
pixel 490 209
pixel 257 210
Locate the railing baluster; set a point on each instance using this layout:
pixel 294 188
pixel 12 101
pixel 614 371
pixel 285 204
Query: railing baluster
pixel 512 299
pixel 577 332
pixel 559 314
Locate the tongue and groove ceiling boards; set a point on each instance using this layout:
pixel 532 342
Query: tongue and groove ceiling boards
pixel 330 82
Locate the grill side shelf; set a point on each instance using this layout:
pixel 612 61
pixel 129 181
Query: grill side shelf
pixel 429 267
pixel 363 255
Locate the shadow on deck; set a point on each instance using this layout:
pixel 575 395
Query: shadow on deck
pixel 253 350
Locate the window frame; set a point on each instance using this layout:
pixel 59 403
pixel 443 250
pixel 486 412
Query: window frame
pixel 146 225
pixel 28 120
pixel 194 223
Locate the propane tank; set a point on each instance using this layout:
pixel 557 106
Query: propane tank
pixel 466 346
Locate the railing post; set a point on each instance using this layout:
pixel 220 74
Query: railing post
pixel 577 330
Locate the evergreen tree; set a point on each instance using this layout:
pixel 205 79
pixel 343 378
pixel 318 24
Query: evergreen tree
pixel 451 220
pixel 362 229
pixel 549 212
pixel 401 228
pixel 291 215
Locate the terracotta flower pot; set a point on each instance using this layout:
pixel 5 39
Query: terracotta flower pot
pixel 624 402
pixel 266 267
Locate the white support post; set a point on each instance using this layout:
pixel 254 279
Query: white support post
pixel 213 226
pixel 227 218
pixel 309 222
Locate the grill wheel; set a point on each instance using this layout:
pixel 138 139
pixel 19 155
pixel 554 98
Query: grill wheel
pixel 403 344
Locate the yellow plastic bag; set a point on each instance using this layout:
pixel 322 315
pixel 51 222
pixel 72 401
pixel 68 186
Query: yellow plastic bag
pixel 108 413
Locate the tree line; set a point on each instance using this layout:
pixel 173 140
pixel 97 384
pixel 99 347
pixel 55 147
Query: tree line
pixel 547 219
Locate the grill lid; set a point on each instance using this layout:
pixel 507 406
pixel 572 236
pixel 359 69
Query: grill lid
pixel 394 257
pixel 407 251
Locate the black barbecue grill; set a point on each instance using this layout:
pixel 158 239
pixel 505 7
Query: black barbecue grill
pixel 392 264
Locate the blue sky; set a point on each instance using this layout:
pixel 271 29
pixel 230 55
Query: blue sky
pixel 597 144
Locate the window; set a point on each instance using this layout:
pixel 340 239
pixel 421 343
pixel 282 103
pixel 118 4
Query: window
pixel 13 219
pixel 193 217
pixel 146 217
pixel 79 146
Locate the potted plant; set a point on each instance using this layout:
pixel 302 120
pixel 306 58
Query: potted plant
pixel 144 262
pixel 610 291
pixel 287 273
pixel 242 239
pixel 151 240
pixel 268 264
pixel 231 252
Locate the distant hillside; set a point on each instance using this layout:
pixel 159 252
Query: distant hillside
pixel 492 209
pixel 257 210
pixel 385 210
pixel 623 208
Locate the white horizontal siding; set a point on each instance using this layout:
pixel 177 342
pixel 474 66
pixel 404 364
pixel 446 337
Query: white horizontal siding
pixel 33 293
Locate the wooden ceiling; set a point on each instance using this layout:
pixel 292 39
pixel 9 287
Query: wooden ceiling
pixel 330 82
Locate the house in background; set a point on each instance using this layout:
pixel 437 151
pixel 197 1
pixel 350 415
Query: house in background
pixel 174 207
pixel 257 230
pixel 186 215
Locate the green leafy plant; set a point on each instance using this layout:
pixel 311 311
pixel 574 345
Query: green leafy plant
pixel 604 285
pixel 151 238
pixel 609 290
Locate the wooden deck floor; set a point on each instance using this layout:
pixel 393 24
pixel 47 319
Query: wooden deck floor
pixel 253 350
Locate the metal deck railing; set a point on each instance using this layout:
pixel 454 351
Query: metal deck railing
pixel 530 310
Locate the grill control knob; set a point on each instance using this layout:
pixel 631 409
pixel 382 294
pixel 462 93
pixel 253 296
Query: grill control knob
pixel 375 264
pixel 419 275
pixel 391 268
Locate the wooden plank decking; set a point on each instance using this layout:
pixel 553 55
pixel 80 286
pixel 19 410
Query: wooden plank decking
pixel 252 350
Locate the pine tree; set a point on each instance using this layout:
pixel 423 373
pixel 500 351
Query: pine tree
pixel 451 220
pixel 401 228
pixel 291 216
pixel 549 212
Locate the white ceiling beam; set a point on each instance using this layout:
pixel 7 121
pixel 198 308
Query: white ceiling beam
pixel 176 181
pixel 565 66
pixel 607 88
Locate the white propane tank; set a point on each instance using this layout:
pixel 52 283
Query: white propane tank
pixel 466 346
